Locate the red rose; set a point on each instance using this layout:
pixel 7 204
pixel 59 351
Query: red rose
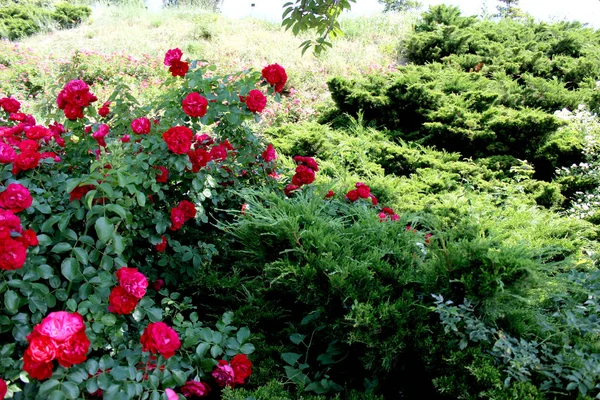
pixel 177 218
pixel 218 153
pixel 363 190
pixel 28 146
pixel 352 195
pixel 37 132
pixel 308 161
pixel 15 198
pixel 12 254
pixel 141 126
pixel 25 161
pixel 242 367
pixel 275 74
pixel 41 348
pixel 104 110
pixel 7 154
pixel 133 281
pixel 121 302
pixel 36 370
pixel 172 55
pixel 256 101
pixel 304 176
pixel 195 388
pixel 9 223
pixel 203 140
pixel 29 238
pixel 329 194
pixel 80 191
pixel 194 105
pixel 158 284
pixel 289 189
pixel 224 374
pixel 179 68
pixel 189 209
pixel 163 176
pixel 162 246
pixel 269 154
pixel 74 350
pixel 160 338
pixel 178 139
pixel 374 200
pixel 3 389
pixel 199 158
pixel 387 211
pixel 73 112
pixel 10 105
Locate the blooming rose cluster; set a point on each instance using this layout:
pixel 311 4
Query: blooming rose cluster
pixel 159 338
pixel 275 75
pixel 184 211
pixel 305 173
pixel 141 126
pixel 10 105
pixel 123 299
pixel 74 97
pixel 202 153
pixel 388 214
pixel 14 241
pixel 178 139
pixel 233 373
pixel 104 110
pixel 61 336
pixel 362 191
pixel 173 61
pixel 269 155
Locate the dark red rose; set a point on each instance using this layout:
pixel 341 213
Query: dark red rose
pixel 29 145
pixel 163 176
pixel 199 158
pixel 289 189
pixel 177 218
pixel 218 153
pixel 363 190
pixel 352 195
pixel 37 132
pixel 188 208
pixel 224 374
pixel 329 194
pixel 308 161
pixel 26 160
pixel 179 68
pixel 304 176
pixel 104 110
pixel 3 389
pixel 256 101
pixel 29 238
pixel 195 389
pixel 158 284
pixel 276 76
pixel 194 105
pixel 242 367
pixel 80 191
pixel 162 246
pixel 178 139
pixel 121 302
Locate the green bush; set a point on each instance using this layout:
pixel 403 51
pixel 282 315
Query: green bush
pixel 69 16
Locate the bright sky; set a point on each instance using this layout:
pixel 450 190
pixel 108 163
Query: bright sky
pixel 587 11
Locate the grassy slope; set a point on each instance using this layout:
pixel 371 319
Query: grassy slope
pixel 369 43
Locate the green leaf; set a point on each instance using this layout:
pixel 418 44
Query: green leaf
pixel 227 318
pixel 297 338
pixel 247 348
pixel 141 198
pixel 81 254
pixel 180 377
pixel 243 334
pixel 61 247
pixel 70 389
pixel 44 240
pixel 291 358
pixel 120 373
pixel 70 268
pixel 216 351
pixel 119 244
pixel 117 209
pixel 104 229
pixel 48 386
pixel 202 349
pixel 109 319
pixel 154 314
pixel 11 301
pixel 57 395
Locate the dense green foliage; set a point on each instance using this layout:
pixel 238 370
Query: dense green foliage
pixel 486 89
pixel 20 20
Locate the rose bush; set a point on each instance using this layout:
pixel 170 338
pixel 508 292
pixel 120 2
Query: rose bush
pixel 88 262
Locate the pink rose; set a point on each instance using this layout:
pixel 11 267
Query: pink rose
pixel 133 281
pixel 141 126
pixel 171 395
pixel 173 55
pixel 224 374
pixel 195 388
pixel 15 198
pixel 269 154
pixel 7 154
pixel 60 326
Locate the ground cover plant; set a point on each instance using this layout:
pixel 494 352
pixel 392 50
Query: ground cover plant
pixel 183 225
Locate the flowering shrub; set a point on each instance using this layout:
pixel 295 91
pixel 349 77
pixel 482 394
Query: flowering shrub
pixel 85 250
